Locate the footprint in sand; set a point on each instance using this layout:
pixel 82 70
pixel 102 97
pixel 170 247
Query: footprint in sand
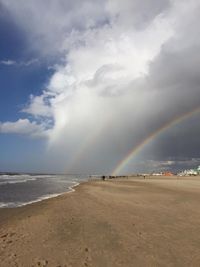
pixel 42 263
pixel 4 236
pixel 88 259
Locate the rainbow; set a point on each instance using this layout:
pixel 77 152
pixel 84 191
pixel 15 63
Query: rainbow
pixel 128 158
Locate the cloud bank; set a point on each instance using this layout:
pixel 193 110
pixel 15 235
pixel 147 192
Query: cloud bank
pixel 23 126
pixel 127 69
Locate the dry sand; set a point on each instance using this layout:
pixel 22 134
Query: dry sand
pixel 127 222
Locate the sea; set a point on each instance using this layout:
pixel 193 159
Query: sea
pixel 21 189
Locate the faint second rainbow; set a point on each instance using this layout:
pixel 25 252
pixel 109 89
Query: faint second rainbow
pixel 126 160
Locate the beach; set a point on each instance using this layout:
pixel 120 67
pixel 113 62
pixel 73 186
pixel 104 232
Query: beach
pixel 119 222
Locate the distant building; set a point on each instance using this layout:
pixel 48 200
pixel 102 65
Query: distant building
pixel 157 173
pixel 168 174
pixel 190 172
pixel 198 169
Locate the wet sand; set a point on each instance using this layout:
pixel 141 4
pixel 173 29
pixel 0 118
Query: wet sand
pixel 122 222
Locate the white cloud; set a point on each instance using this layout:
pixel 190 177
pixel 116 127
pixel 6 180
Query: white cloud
pixel 24 127
pixel 28 62
pixel 38 106
pixel 20 63
pixel 8 62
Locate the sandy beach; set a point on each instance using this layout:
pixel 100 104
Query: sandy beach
pixel 122 222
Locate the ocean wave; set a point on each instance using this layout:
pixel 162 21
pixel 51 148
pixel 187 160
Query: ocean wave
pixel 21 204
pixel 14 176
pixel 16 181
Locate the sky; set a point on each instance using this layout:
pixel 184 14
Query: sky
pixel 83 84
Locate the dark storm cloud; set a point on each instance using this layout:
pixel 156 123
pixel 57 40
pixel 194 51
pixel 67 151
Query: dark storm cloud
pixel 175 75
pixel 47 23
pixel 137 13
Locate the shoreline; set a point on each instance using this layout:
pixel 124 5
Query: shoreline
pixel 120 178
pixel 11 205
